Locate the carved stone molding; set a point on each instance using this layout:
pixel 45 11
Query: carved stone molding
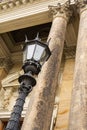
pixel 6 63
pixel 61 10
pixel 81 5
pixel 7 4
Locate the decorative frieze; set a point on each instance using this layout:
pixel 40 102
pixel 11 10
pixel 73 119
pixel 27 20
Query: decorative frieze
pixel 61 10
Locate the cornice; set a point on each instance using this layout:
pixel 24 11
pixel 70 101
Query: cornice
pixel 25 15
pixel 14 3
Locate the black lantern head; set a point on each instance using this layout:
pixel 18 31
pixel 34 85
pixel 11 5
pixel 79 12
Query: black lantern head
pixel 36 52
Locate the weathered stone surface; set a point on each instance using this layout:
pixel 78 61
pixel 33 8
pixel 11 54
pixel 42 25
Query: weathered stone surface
pixel 65 96
pixel 39 117
pixel 78 114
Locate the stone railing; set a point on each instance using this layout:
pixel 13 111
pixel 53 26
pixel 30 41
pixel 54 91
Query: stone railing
pixel 6 4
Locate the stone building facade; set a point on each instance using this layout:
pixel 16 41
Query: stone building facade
pixel 59 100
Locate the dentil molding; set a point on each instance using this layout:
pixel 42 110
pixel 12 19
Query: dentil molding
pixel 24 15
pixel 5 4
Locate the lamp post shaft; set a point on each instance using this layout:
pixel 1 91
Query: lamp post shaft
pixel 14 120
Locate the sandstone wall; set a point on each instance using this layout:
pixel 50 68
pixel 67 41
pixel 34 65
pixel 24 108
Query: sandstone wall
pixel 65 96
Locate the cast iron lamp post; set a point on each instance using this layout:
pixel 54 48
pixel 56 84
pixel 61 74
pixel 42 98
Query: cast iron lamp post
pixel 35 53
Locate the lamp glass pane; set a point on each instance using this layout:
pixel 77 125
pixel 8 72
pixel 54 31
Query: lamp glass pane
pixel 43 56
pixel 30 51
pixel 39 51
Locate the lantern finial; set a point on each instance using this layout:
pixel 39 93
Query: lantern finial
pixel 37 37
pixel 26 38
pixel 48 41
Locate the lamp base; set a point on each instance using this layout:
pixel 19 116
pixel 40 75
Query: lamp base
pixel 28 77
pixel 31 66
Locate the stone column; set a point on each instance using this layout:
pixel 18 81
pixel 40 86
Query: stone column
pixel 39 113
pixel 78 113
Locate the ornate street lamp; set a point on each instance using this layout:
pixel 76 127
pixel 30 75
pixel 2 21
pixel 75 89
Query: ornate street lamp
pixel 35 53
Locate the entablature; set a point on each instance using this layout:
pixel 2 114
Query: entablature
pixel 25 14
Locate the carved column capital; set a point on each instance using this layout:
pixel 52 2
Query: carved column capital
pixel 61 10
pixel 5 63
pixel 81 5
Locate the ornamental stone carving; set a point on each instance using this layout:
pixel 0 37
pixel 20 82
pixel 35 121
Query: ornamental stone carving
pixel 10 92
pixel 61 10
pixel 10 86
pixel 7 4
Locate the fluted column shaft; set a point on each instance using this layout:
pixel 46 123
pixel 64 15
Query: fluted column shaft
pixel 39 116
pixel 78 113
